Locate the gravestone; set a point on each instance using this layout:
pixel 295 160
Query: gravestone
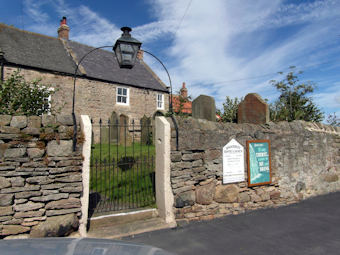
pixel 203 107
pixel 124 133
pixel 114 128
pixel 253 110
pixel 109 130
pixel 146 130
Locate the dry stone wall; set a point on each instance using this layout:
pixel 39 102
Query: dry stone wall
pixel 305 162
pixel 40 176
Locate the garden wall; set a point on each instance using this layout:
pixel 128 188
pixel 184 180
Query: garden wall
pixel 40 176
pixel 305 162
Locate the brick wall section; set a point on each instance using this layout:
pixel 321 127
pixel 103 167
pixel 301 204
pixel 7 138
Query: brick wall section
pixel 305 163
pixel 40 175
pixel 94 98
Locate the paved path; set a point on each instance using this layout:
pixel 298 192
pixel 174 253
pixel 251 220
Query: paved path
pixel 310 227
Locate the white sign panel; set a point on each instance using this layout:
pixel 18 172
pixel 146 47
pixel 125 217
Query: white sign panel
pixel 233 162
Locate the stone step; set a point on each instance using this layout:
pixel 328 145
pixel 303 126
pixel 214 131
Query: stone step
pixel 126 224
pixel 122 217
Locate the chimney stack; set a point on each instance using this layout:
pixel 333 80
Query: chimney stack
pixel 64 29
pixel 140 54
pixel 184 91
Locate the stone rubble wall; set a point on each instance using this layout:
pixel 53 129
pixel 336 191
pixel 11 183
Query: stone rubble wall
pixel 40 176
pixel 97 103
pixel 305 162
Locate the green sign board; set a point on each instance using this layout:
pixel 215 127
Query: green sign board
pixel 259 164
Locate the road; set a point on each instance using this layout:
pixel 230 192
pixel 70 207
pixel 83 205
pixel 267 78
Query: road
pixel 309 227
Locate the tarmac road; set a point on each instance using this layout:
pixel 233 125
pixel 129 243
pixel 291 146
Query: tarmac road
pixel 309 227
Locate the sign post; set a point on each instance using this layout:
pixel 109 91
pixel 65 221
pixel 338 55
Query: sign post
pixel 259 162
pixel 233 162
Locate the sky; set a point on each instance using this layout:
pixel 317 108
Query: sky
pixel 218 47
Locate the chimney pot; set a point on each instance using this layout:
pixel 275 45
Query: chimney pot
pixel 63 21
pixel 64 29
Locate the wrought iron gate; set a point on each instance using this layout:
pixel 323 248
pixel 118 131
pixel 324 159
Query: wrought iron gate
pixel 122 175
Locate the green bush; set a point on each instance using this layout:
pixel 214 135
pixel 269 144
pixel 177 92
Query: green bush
pixel 19 97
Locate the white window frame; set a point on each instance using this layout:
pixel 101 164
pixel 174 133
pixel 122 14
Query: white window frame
pixel 121 95
pixel 160 102
pixel 49 99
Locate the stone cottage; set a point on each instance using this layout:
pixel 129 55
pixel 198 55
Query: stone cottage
pixel 103 89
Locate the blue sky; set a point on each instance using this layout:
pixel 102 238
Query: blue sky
pixel 218 47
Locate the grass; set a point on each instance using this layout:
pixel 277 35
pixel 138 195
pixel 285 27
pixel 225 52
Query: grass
pixel 107 152
pixel 122 176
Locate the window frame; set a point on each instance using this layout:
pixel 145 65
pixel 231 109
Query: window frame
pixel 49 99
pixel 127 96
pixel 160 101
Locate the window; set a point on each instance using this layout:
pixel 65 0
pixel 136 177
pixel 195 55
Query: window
pixel 160 101
pixel 122 96
pixel 48 101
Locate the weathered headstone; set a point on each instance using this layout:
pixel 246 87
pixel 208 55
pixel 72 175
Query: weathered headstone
pixel 203 107
pixel 253 110
pixel 109 130
pixel 114 128
pixel 146 130
pixel 124 134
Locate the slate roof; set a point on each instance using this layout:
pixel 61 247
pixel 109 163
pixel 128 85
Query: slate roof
pixel 34 50
pixel 49 53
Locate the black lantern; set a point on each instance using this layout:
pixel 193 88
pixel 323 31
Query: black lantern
pixel 126 49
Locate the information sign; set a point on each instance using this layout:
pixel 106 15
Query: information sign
pixel 233 162
pixel 259 164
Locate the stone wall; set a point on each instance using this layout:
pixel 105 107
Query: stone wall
pixel 94 98
pixel 40 176
pixel 305 162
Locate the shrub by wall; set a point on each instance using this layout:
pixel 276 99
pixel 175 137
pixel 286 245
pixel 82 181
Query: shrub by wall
pixel 305 162
pixel 40 176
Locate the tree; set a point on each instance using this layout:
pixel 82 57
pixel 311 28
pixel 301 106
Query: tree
pixel 230 107
pixel 293 102
pixel 19 97
pixel 180 103
pixel 333 120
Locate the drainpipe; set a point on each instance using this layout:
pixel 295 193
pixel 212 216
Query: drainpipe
pixel 2 63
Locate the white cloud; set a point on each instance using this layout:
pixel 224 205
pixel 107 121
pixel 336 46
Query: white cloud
pixel 231 40
pixel 86 26
pixel 33 9
pixel 218 40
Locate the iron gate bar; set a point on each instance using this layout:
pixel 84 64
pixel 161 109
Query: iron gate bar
pixel 122 179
